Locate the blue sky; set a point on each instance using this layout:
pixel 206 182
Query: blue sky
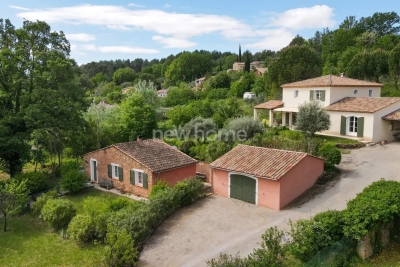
pixel 122 29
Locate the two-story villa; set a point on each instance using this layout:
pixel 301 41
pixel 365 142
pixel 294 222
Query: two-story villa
pixel 354 106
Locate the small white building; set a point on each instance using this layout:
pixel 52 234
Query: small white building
pixel 354 106
pixel 249 95
pixel 199 81
pixel 162 93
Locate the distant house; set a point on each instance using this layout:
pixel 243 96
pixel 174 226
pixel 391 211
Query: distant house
pixel 103 103
pixel 354 106
pixel 162 93
pixel 260 71
pixel 263 176
pixel 199 81
pixel 254 64
pixel 135 167
pixel 249 95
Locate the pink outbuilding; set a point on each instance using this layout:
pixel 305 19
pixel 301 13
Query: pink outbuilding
pixel 263 176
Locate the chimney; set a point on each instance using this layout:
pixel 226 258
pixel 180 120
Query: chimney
pixel 139 138
pixel 342 74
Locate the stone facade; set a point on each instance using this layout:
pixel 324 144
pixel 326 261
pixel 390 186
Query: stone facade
pixel 110 155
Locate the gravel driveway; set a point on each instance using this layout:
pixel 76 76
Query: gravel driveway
pixel 215 224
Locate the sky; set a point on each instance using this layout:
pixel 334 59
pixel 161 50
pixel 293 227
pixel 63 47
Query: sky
pixel 124 29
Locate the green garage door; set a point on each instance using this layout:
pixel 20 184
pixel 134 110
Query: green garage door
pixel 243 188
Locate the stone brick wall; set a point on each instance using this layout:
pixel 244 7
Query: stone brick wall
pixel 112 155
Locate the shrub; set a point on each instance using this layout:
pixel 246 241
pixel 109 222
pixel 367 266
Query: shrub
pixel 81 228
pixel 161 185
pixel 35 181
pixel 377 203
pixel 225 260
pixel 330 153
pixel 97 210
pixel 119 203
pixel 215 150
pixel 243 128
pixel 292 135
pixel 120 249
pixel 199 152
pixel 41 201
pixel 312 118
pixel 58 212
pixel 73 181
pixel 308 237
pixel 332 221
pixel 186 147
pixel 68 166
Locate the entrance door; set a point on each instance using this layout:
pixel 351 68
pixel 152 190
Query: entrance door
pixel 243 188
pixel 352 125
pixel 93 170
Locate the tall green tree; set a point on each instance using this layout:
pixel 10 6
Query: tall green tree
pixel 382 23
pixel 240 53
pixel 312 118
pixel 38 88
pixel 394 65
pixel 247 62
pixel 124 75
pixel 138 117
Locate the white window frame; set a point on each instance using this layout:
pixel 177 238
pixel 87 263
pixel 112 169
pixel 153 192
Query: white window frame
pixel 137 176
pixel 92 178
pixel 370 92
pixel 115 172
pixel 296 93
pixel 318 94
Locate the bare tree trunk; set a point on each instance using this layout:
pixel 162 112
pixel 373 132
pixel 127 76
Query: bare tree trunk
pixel 5 221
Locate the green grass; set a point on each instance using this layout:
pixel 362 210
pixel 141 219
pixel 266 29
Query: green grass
pixel 390 257
pixel 337 140
pixel 31 242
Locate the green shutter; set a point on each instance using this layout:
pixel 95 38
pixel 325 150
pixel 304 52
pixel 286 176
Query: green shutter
pixel 311 95
pixel 323 96
pixel 132 177
pixel 360 127
pixel 287 118
pixel 145 180
pixel 343 125
pixel 120 174
pixel 109 171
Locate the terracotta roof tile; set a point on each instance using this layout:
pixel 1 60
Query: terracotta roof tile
pixel 362 104
pixel 331 81
pixel 259 161
pixel 394 116
pixel 155 154
pixel 272 104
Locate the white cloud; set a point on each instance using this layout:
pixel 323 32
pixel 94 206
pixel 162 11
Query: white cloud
pixel 81 37
pixel 172 42
pixel 135 5
pixel 273 39
pixel 126 50
pixel 167 5
pixel 318 16
pixel 88 47
pixel 18 7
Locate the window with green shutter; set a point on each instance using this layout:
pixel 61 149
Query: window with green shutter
pixel 120 174
pixel 343 120
pixel 145 181
pixel 360 127
pixel 287 118
pixel 132 176
pixel 322 95
pixel 311 95
pixel 109 171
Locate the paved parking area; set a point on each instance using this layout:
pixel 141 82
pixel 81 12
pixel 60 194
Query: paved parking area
pixel 216 225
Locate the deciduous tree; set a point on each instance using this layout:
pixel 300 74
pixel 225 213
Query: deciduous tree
pixel 312 118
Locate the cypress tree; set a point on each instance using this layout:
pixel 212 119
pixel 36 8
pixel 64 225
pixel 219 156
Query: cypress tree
pixel 247 62
pixel 240 53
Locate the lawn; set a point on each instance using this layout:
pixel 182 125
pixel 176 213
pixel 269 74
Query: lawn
pixel 390 257
pixel 31 242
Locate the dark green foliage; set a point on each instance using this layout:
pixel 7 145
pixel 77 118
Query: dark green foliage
pixel 216 149
pixel 179 96
pixel 120 249
pixel 217 94
pixel 186 147
pixel 330 153
pixel 41 201
pixel 119 203
pixel 35 181
pixel 245 84
pixel 200 129
pixel 241 129
pixel 73 181
pixel 312 118
pixel 58 213
pixel 377 203
pixel 332 221
pixel 221 80
pixel 160 186
pixel 81 228
pixel 124 75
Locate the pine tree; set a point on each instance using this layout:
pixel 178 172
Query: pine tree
pixel 220 65
pixel 240 53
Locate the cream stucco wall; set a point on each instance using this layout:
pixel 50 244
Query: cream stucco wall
pixel 332 94
pixel 382 128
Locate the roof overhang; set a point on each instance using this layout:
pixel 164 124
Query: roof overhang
pixel 287 109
